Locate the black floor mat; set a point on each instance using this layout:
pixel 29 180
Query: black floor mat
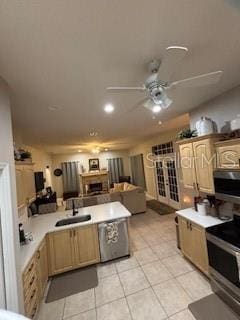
pixel 160 207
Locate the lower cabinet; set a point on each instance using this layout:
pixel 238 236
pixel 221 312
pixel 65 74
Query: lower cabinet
pixel 72 248
pixel 194 244
pixel 42 267
pixel 34 279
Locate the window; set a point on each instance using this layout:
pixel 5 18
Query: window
pixel 163 148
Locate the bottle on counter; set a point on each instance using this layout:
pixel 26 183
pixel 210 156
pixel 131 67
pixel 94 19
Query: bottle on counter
pixel 21 234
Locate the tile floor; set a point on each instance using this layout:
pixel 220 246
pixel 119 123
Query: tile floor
pixel 156 283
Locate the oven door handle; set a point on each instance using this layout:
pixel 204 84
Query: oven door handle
pixel 223 244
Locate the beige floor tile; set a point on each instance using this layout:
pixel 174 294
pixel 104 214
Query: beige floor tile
pixel 177 265
pixel 145 256
pixel 106 270
pixel 156 272
pixel 145 305
pixel 117 310
pixel 153 239
pixel 108 289
pixel 78 303
pixel 126 264
pixel 163 250
pixel 139 243
pixel 133 280
pixel 196 285
pixel 183 315
pixel 89 315
pixel 52 310
pixel 172 296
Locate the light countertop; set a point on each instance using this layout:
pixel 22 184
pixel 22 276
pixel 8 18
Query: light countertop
pixel 45 223
pixel 202 221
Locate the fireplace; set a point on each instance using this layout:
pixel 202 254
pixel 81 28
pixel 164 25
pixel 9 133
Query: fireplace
pixel 94 182
pixel 95 187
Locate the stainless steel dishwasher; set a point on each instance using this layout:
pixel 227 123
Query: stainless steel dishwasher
pixel 112 250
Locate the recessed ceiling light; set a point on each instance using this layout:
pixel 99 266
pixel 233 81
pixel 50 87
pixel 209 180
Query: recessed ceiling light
pixel 106 149
pixel 93 134
pixel 159 122
pixel 156 109
pixel 109 108
pixel 79 150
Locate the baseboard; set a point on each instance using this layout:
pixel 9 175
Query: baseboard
pixel 149 197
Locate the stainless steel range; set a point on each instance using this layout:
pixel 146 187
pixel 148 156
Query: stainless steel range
pixel 223 242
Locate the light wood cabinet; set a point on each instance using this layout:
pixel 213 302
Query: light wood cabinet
pixel 72 248
pixel 30 289
pixel 25 184
pixel 228 154
pixel 205 161
pixel 86 245
pixel 42 267
pixel 187 165
pixel 20 186
pixel 193 243
pixel 34 279
pixel 198 160
pixel 60 251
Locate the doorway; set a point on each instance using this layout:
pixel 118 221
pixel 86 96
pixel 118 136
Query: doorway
pixel 167 181
pixel 9 298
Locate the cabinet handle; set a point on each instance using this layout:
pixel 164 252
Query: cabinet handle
pixel 70 233
pixel 31 267
pixel 34 311
pixel 32 280
pixel 33 294
pixel 74 232
pixel 197 186
pixel 194 185
pixel 190 226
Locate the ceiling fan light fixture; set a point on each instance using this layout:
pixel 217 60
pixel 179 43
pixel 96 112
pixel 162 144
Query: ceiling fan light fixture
pixel 109 108
pixel 157 108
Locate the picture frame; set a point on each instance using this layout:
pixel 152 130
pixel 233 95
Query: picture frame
pixel 94 164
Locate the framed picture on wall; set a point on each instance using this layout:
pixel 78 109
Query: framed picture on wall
pixel 93 164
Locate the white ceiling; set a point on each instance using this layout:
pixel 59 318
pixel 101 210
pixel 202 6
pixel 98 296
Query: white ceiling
pixel 65 53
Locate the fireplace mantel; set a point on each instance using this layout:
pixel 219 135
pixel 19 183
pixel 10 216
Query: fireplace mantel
pixel 94 177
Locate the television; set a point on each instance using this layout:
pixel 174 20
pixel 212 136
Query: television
pixel 39 181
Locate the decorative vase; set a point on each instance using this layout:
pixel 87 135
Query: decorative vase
pixel 235 124
pixel 205 126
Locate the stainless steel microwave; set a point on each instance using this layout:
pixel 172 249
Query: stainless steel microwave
pixel 227 185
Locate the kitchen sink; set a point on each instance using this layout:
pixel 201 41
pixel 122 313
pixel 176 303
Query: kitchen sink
pixel 73 220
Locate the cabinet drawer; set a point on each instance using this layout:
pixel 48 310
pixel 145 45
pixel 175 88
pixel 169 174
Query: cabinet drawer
pixel 29 269
pixel 31 308
pixel 30 279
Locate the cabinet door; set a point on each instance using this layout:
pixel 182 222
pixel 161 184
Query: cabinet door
pixel 187 165
pixel 60 251
pixel 228 156
pixel 185 237
pixel 86 245
pixel 199 248
pixel 204 165
pixel 42 267
pixel 20 186
pixel 29 182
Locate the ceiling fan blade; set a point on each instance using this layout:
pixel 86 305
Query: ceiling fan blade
pixel 125 89
pixel 172 58
pixel 198 81
pixel 139 104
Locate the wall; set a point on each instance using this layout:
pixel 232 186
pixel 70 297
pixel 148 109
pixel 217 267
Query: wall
pixel 146 148
pixel 6 157
pixel 223 108
pixel 83 160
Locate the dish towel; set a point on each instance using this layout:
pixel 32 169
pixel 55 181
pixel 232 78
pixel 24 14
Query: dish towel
pixel 238 263
pixel 112 232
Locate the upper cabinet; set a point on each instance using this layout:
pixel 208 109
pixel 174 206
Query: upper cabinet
pixel 228 154
pixel 187 165
pixel 25 184
pixel 197 161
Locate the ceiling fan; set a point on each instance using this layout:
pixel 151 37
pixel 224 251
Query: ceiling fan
pixel 158 84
